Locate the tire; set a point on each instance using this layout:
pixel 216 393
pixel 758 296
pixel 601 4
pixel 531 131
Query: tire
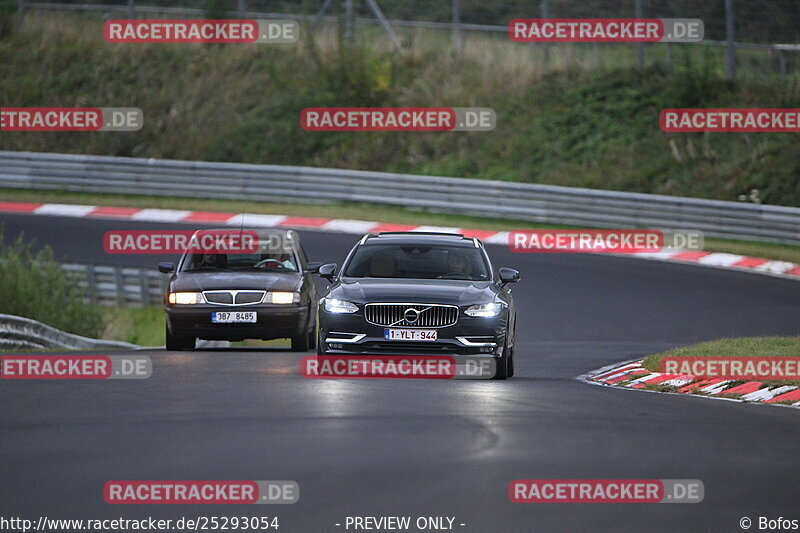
pixel 300 344
pixel 501 371
pixel 511 364
pixel 177 342
pixel 304 341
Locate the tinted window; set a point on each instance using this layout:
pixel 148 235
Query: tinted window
pixel 426 261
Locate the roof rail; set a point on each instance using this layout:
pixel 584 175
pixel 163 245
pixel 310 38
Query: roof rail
pixel 418 233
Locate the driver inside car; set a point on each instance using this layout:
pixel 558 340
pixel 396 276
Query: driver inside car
pixel 213 261
pixel 382 266
pixel 284 260
pixel 457 264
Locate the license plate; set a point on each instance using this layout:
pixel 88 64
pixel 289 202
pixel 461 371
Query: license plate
pixel 233 317
pixel 410 334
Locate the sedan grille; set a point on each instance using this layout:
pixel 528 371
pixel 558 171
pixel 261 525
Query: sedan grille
pixel 233 297
pixel 411 315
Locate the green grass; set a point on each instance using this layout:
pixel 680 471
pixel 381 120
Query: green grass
pixel 567 124
pixel 142 326
pixel 737 347
pixel 359 211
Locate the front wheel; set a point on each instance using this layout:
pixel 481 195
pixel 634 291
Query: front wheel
pixel 503 371
pixel 306 340
pixel 178 342
pixel 301 343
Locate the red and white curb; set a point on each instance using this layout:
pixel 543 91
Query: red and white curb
pixel 783 269
pixel 632 375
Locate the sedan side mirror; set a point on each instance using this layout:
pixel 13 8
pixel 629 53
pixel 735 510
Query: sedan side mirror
pixel 509 275
pixel 166 268
pixel 328 271
pixel 313 267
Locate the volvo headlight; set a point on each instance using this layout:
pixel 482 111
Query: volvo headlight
pixel 489 310
pixel 186 298
pixel 278 297
pixel 332 305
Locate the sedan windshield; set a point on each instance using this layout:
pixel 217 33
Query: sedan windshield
pixel 275 262
pixel 418 262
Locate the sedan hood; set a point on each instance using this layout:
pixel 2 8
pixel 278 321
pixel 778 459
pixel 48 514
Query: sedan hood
pixel 209 281
pixel 453 292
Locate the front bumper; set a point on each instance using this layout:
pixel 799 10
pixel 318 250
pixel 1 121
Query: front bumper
pixel 352 334
pixel 272 322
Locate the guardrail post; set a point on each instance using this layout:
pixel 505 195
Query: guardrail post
pixel 349 23
pixel 782 64
pixel 242 8
pixel 544 12
pixel 91 288
pixel 730 54
pixel 639 46
pixel 131 9
pixel 144 288
pixel 119 286
pixel 458 35
pixel 20 13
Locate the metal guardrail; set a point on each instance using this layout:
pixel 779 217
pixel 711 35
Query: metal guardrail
pixel 118 286
pixel 519 201
pixel 19 333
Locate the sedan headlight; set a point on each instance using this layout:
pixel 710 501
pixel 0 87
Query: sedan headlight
pixel 186 298
pixel 489 310
pixel 276 297
pixel 333 305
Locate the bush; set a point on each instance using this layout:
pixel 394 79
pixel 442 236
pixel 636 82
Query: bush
pixel 35 286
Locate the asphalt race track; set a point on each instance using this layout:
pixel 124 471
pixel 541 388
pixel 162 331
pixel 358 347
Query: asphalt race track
pixel 425 447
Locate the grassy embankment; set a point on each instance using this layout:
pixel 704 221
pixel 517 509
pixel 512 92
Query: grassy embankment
pixel 569 125
pixel 736 347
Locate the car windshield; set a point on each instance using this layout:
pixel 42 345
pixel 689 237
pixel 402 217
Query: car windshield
pixel 417 261
pixel 275 262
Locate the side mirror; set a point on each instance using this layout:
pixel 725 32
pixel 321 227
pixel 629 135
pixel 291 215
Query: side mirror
pixel 509 275
pixel 166 268
pixel 328 271
pixel 313 267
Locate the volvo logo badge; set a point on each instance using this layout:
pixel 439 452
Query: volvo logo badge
pixel 411 315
